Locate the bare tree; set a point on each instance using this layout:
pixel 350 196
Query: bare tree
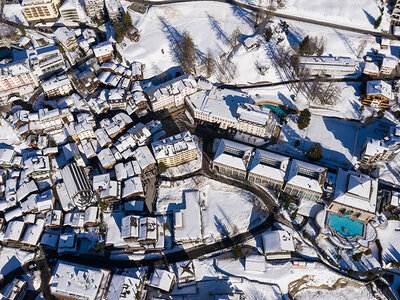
pixel 361 47
pixel 234 38
pixel 330 93
pixel 209 63
pixel 186 53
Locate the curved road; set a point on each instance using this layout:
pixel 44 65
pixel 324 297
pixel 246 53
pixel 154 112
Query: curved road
pixel 276 14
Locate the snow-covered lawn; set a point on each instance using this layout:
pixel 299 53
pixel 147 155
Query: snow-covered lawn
pixel 338 294
pixel 227 209
pixel 350 12
pixel 283 274
pixel 341 140
pixel 209 23
pixel 390 241
pixel 12 258
pixel 13 12
pixel 210 282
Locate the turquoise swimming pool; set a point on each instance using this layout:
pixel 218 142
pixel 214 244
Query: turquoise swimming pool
pixel 279 110
pixel 344 226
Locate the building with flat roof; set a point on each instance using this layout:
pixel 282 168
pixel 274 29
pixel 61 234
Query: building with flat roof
pixel 69 11
pixel 277 244
pixel 175 150
pixel 73 281
pixel 327 65
pixel 37 10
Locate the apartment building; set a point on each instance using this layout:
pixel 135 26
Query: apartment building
pixel 175 150
pixel 327 65
pixel 248 118
pixel 52 121
pixel 379 94
pixel 17 77
pixel 395 17
pixel 103 51
pixel 57 86
pixel 268 169
pixel 46 60
pixel 37 10
pixel 305 181
pixel 95 9
pixel 114 9
pixel 384 150
pixel 67 38
pixel 172 93
pixel 73 281
pixel 255 120
pixel 389 63
pixel 69 11
pixel 232 159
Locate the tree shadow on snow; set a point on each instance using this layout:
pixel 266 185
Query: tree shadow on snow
pixel 370 18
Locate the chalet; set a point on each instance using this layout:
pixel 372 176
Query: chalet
pixel 379 94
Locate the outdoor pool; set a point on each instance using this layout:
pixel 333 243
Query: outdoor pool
pixel 279 110
pixel 344 226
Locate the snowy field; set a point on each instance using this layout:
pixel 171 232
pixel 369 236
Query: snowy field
pixel 211 25
pixel 390 244
pixel 218 218
pixel 338 294
pixel 289 278
pixel 211 282
pixel 350 12
pixel 341 140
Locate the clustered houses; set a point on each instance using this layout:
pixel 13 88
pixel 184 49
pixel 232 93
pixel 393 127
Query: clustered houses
pixel 378 151
pixel 37 10
pixel 213 107
pixel 171 93
pixel 378 94
pixel 327 65
pixel 301 180
pixel 175 150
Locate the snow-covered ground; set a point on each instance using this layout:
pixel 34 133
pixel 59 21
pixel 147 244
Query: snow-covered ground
pixel 221 215
pixel 341 140
pixel 13 12
pixel 338 294
pixel 288 277
pixel 350 12
pixel 211 282
pixel 389 242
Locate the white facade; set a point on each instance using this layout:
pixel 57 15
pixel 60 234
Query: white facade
pixel 328 65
